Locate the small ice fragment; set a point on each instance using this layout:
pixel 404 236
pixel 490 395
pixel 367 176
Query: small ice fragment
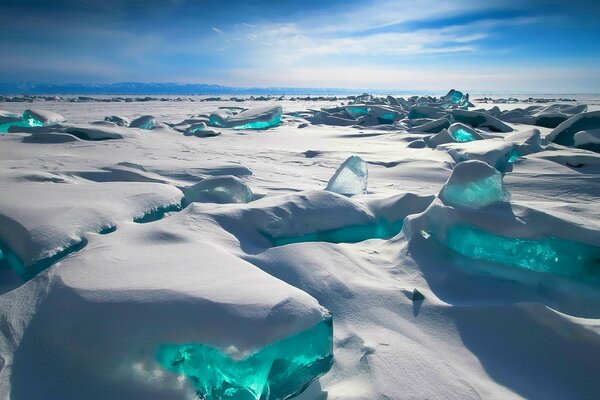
pixel 201 130
pixel 147 122
pixel 417 296
pixel 473 184
pixel 463 133
pixel 222 190
pixel 350 178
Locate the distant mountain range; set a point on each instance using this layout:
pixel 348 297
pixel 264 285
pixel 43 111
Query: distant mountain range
pixel 137 88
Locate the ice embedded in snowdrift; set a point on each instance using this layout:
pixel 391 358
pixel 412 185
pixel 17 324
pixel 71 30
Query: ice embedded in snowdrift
pixel 255 118
pixel 588 140
pixel 277 371
pixel 220 189
pixel 473 184
pixel 565 133
pixel 147 122
pixel 30 118
pixel 463 133
pixel 548 254
pixel 350 178
pixel 457 98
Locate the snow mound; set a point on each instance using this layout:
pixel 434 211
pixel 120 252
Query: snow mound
pixel 56 217
pixel 158 286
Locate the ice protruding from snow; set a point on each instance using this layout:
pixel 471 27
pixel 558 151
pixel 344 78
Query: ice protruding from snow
pixel 463 133
pixel 256 118
pixel 30 118
pixel 357 110
pixel 147 122
pixel 201 130
pixel 565 132
pixel 220 189
pixel 547 116
pixel 473 184
pixel 495 152
pixel 42 117
pixel 350 178
pixel 434 126
pixel 117 120
pixel 279 371
pixel 548 255
pixel 478 119
pixel 588 140
pixel 526 142
pixel 457 98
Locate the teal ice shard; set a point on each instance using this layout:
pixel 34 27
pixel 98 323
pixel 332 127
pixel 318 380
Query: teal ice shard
pixel 147 122
pixel 456 97
pixel 548 254
pixel 357 110
pixel 30 118
pixel 381 229
pixel 473 184
pixel 463 133
pixel 219 118
pixel 42 117
pixel 565 132
pixel 220 189
pixel 350 178
pixel 278 371
pixel 255 118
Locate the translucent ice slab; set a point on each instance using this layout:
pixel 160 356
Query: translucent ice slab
pixel 278 371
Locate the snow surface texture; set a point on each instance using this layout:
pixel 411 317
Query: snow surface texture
pixel 133 251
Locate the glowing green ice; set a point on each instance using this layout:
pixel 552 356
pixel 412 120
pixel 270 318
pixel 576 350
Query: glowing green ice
pixel 357 111
pixel 513 156
pixel 278 371
pixel 550 255
pixel 461 135
pixel 347 234
pixel 456 96
pixel 26 121
pixel 261 124
pixel 215 120
pixel 475 194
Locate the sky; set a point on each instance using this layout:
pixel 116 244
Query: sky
pixel 524 46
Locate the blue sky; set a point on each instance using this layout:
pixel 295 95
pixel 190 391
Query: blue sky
pixel 525 46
